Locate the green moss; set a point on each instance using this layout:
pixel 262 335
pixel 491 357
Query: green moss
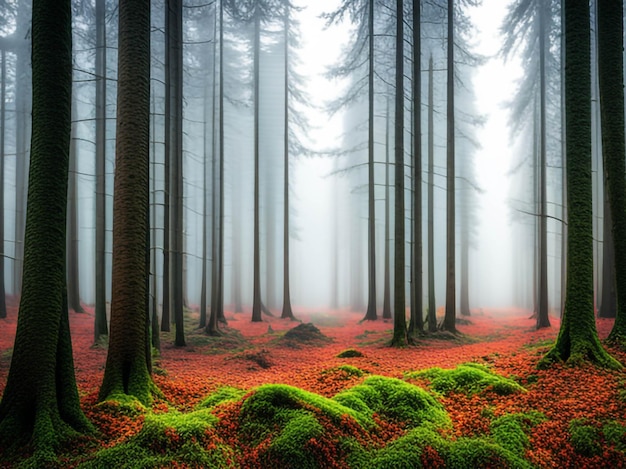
pixel 345 371
pixel 406 451
pixel 585 438
pixel 221 395
pixel 615 434
pixel 510 431
pixel 395 399
pixel 122 404
pixel 467 453
pixel 289 446
pixel 169 430
pixel 166 439
pixel 469 378
pixel 271 405
pixel 349 353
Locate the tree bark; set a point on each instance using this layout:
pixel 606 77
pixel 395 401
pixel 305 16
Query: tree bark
pixel 40 403
pixel 578 341
pixel 399 297
pixel 127 370
pixel 449 321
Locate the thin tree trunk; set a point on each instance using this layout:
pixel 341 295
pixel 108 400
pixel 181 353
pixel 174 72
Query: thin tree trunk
pixel 399 297
pixel 3 77
pixel 287 311
pixel 73 283
pixel 256 294
pixel 100 321
pixel 542 313
pixel 449 321
pixel 432 304
pixel 608 302
pixel 387 273
pixel 416 324
pixel 371 314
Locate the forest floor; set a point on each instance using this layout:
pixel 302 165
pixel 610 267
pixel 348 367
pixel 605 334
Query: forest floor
pixel 217 408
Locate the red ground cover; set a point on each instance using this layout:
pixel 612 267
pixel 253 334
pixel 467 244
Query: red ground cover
pixel 506 340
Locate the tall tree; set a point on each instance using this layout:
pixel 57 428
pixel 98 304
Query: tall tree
pixel 416 323
pixel 399 291
pixel 287 312
pixel 40 403
pixel 432 304
pixel 128 361
pixel 100 321
pixel 578 341
pixel 174 94
pixel 3 75
pixel 611 81
pixel 73 278
pixel 449 321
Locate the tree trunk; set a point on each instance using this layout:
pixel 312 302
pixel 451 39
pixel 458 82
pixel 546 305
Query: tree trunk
pixel 449 321
pixel 40 403
pixel 608 302
pixel 387 273
pixel 3 76
pixel 611 79
pixel 416 324
pixel 256 294
pixel 578 341
pixel 100 322
pixel 73 283
pixel 399 296
pixel 175 72
pixel 432 304
pixel 287 311
pixel 127 368
pixel 23 110
pixel 371 314
pixel 542 312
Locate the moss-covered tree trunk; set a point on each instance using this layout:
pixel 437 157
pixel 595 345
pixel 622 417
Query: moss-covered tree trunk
pixel 40 403
pixel 578 341
pixel 127 367
pixel 611 81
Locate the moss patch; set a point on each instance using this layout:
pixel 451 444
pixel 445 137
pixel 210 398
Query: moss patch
pixel 585 438
pixel 349 353
pixel 469 378
pixel 394 399
pixel 221 395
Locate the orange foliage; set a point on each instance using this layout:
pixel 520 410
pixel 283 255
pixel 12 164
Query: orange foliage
pixel 509 344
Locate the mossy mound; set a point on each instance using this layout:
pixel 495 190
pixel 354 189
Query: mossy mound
pixel 221 395
pixel 469 378
pixel 424 448
pixel 511 430
pixel 343 372
pixel 585 438
pixel 394 399
pixel 349 353
pixel 167 440
pixel 304 334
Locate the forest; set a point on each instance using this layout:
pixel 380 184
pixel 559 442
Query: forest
pixel 359 234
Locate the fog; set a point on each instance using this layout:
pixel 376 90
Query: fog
pixel 496 200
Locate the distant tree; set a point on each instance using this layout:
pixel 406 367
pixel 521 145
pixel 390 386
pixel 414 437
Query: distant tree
pixel 611 81
pixel 578 341
pixel 432 304
pixel 73 276
pixel 128 363
pixel 399 297
pixel 3 76
pixel 40 403
pixel 361 51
